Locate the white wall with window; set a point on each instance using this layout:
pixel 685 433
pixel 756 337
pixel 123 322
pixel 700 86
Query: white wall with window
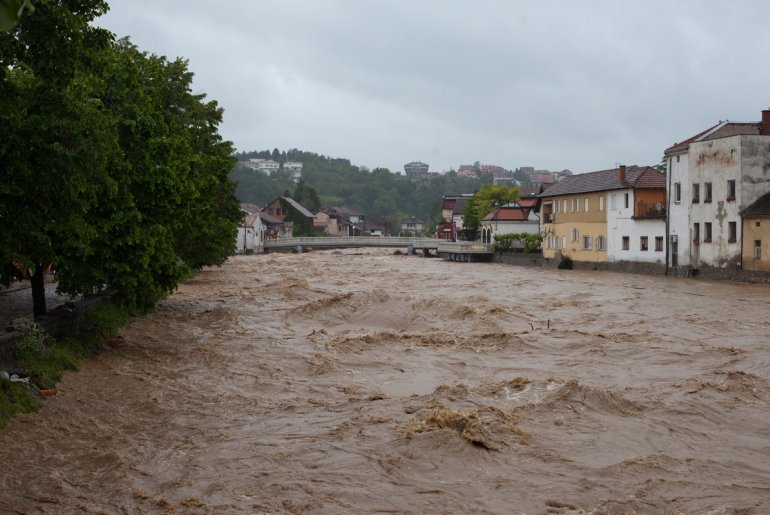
pixel 679 200
pixel 641 233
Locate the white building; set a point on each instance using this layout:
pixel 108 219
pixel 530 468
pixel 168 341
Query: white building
pixel 519 217
pixel 262 165
pixel 712 177
pixel 636 224
pixel 251 235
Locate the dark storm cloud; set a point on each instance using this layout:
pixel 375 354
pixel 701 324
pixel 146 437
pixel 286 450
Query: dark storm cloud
pixel 553 84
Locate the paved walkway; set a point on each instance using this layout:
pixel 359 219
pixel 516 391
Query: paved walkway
pixel 16 301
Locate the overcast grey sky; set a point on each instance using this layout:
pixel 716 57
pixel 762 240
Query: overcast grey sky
pixel 552 84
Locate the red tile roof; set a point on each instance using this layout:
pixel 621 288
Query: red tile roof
pixel 508 213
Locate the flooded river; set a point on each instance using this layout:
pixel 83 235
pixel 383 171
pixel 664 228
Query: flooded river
pixel 367 382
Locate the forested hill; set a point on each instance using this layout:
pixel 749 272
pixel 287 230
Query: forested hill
pixel 379 193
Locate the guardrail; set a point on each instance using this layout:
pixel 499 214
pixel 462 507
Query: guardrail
pixel 353 241
pixel 466 247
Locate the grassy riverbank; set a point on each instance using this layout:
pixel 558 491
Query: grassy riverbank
pixel 38 360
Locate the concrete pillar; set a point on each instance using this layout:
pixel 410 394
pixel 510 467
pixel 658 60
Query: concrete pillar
pixel 410 250
pixel 299 249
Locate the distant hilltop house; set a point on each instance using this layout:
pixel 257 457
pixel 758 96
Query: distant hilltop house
pixel 294 168
pixel 416 168
pixel 542 178
pixel 497 172
pixel 467 171
pixel 269 167
pixel 419 170
pixel 261 165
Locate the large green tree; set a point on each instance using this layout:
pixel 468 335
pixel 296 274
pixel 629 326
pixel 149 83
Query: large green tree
pixel 113 170
pixel 484 200
pixel 54 140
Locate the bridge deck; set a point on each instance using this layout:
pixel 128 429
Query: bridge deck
pixel 448 249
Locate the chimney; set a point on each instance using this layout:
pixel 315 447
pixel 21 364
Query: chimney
pixel 622 173
pixel 764 128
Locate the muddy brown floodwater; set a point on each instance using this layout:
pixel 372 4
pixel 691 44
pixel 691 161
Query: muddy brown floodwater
pixel 366 382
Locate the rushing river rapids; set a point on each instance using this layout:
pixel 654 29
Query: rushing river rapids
pixel 369 382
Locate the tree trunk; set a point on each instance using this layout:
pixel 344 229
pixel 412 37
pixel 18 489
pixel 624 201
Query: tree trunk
pixel 37 279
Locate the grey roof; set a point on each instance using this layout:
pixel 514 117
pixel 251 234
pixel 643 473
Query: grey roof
pixel 268 219
pixel 459 207
pixel 759 208
pixel 721 130
pixel 299 207
pixel 605 180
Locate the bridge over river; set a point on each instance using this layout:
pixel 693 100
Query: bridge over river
pixel 454 251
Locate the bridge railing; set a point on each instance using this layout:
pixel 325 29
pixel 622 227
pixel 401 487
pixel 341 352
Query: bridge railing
pixel 357 241
pixel 468 247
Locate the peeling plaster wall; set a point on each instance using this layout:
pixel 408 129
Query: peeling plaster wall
pixel 755 169
pixel 717 162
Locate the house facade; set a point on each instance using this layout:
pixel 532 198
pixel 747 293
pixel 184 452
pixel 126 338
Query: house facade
pixel 453 207
pixel 595 216
pixel 286 209
pixel 755 231
pixel 713 177
pixel 251 235
pixel 413 225
pixel 520 217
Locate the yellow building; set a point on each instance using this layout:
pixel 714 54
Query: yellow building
pixel 575 224
pixel 755 232
pixel 609 215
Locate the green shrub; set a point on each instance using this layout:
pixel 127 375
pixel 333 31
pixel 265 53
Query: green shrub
pixel 530 242
pixel 106 320
pixel 15 398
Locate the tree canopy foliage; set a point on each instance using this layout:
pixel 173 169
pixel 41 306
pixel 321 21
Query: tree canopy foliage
pixel 484 200
pixel 113 171
pixel 381 194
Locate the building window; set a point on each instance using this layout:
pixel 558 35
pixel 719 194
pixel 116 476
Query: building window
pixel 677 192
pixel 625 201
pixel 564 207
pixel 695 193
pixel 564 242
pixel 575 235
pixel 601 203
pixel 626 243
pixel 587 242
pixel 601 243
pixel 612 202
pixel 557 207
pixel 707 232
pixel 757 249
pixel 707 192
pixel 731 189
pixel 643 243
pixel 696 233
pixel 732 232
pixel 585 205
pixel 658 243
pixel 575 205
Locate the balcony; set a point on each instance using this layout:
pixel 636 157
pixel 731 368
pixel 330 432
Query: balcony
pixel 650 210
